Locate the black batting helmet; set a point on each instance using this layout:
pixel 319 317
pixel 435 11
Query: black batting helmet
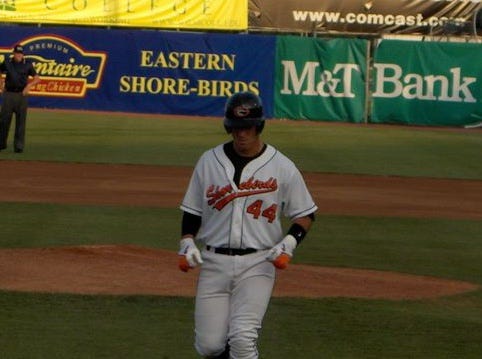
pixel 243 110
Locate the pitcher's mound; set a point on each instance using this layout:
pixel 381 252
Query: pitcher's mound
pixel 129 270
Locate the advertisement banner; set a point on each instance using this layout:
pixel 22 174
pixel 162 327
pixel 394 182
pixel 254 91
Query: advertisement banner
pixel 320 79
pixel 173 14
pixel 143 71
pixel 427 83
pixel 366 16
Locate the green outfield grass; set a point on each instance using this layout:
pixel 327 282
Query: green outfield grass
pixel 40 326
pixel 63 326
pixel 382 150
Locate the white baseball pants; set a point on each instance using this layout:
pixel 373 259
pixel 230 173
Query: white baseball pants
pixel 232 297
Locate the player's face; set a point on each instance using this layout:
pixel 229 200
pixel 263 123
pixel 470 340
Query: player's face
pixel 17 56
pixel 246 141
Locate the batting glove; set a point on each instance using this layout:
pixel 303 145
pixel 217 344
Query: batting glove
pixel 189 254
pixel 281 253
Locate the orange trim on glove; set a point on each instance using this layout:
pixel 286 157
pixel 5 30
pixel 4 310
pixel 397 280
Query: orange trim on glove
pixel 281 262
pixel 183 264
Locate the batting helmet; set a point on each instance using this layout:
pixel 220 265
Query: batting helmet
pixel 243 110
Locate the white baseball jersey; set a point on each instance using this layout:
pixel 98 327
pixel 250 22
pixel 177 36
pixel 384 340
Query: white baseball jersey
pixel 248 215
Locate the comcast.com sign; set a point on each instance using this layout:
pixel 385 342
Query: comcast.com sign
pixel 387 16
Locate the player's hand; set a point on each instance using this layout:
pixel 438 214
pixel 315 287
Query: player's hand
pixel 26 90
pixel 281 253
pixel 189 254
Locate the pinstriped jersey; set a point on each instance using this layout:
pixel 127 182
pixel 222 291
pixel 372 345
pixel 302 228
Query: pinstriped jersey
pixel 247 215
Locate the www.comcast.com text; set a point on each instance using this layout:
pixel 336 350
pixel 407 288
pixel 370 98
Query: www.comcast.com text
pixel 330 17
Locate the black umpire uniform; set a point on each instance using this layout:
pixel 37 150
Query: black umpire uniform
pixel 15 91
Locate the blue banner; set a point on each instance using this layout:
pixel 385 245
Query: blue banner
pixel 144 71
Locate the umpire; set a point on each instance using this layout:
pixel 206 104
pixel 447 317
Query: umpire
pixel 15 90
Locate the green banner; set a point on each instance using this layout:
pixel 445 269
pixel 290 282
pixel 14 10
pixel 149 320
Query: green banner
pixel 427 83
pixel 320 79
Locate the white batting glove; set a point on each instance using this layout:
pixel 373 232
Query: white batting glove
pixel 190 256
pixel 286 246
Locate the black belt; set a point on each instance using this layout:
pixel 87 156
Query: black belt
pixel 232 251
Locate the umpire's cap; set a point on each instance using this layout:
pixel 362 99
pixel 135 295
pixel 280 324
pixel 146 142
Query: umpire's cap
pixel 243 110
pixel 18 49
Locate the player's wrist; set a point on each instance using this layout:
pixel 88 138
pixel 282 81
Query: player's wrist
pixel 297 232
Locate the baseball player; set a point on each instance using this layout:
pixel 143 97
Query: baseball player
pixel 231 210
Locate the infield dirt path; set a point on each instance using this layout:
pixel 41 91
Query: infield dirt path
pixel 135 270
pixel 52 182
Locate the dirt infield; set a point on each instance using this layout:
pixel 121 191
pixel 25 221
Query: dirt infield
pixel 26 181
pixel 135 270
pixel 124 270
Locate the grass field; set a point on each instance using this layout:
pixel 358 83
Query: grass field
pixel 34 325
pixel 318 147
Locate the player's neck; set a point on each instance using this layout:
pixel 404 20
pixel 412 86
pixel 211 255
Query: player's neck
pixel 251 151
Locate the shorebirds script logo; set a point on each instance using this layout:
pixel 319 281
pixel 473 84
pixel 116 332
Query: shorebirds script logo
pixel 64 67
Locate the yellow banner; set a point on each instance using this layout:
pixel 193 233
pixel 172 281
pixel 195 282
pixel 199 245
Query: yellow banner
pixel 172 14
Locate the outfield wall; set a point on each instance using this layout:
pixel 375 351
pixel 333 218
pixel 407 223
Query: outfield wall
pixel 187 73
